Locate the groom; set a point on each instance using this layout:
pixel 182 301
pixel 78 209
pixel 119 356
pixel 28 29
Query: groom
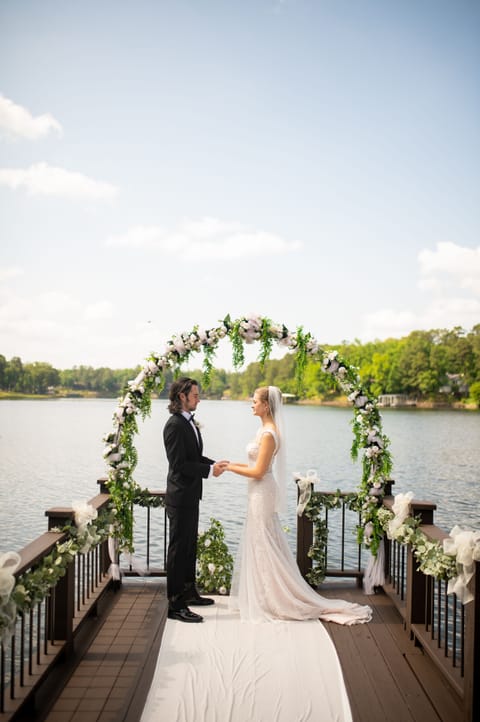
pixel 186 468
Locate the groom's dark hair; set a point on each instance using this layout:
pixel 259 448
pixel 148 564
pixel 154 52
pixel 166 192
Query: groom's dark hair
pixel 180 386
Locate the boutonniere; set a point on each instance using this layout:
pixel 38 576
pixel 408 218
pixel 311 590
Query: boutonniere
pixel 197 424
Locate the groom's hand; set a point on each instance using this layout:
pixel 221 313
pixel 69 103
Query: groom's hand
pixel 219 467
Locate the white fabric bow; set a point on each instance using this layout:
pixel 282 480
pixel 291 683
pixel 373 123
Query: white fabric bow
pixel 9 563
pixel 84 514
pixel 305 486
pixel 465 545
pixel 401 509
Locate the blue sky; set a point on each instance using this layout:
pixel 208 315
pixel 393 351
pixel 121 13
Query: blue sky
pixel 163 164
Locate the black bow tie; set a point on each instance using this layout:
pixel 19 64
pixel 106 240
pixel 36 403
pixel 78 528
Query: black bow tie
pixel 192 416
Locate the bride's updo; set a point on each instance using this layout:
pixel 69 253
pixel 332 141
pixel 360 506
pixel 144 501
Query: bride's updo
pixel 272 396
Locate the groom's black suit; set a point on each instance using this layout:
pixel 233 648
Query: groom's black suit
pixel 186 468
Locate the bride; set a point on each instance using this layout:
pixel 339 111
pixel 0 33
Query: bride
pixel 267 584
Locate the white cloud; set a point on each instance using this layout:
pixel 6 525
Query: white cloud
pixel 450 281
pixel 60 329
pixel 10 272
pixel 44 179
pixel 205 238
pixel 17 122
pixel 99 311
pixel 441 313
pixel 451 265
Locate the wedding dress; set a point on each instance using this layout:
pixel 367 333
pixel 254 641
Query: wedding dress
pixel 267 584
pixel 227 669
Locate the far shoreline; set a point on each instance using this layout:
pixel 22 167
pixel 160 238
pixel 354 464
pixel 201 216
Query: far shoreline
pixel 339 402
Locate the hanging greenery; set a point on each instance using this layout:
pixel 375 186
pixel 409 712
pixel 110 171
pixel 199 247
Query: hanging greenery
pixel 120 453
pixel 315 510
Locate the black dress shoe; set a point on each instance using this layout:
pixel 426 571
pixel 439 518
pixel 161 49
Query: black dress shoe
pixel 184 615
pixel 198 601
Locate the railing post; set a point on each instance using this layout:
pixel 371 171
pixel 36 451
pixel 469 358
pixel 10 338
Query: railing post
pixel 63 609
pixel 472 651
pixel 416 581
pixel 304 542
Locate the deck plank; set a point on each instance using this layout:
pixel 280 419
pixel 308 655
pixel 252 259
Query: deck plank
pixel 388 679
pixel 381 649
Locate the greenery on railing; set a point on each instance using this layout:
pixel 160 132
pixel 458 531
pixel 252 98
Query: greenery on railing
pixel 31 588
pixel 431 557
pixel 315 510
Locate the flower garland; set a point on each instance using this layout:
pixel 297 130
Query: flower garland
pixel 120 453
pixel 215 563
pixel 400 526
pixel 313 508
pixel 18 595
pixel 452 561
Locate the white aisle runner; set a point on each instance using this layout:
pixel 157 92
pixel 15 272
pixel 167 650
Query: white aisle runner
pixel 224 670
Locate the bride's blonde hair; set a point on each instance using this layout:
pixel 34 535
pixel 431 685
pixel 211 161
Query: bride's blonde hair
pixel 262 392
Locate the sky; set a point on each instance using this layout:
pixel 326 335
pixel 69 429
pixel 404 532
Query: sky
pixel 166 163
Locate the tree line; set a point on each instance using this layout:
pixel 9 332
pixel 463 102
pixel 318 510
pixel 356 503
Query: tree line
pixel 425 365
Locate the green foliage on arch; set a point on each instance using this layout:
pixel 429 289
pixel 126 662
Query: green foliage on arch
pixel 120 453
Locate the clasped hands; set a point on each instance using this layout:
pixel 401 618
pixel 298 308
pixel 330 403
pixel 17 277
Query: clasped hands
pixel 219 467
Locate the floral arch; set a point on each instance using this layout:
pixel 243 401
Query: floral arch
pixel 120 453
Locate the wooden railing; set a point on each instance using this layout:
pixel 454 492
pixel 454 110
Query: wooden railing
pixel 50 636
pixel 447 630
pixel 151 536
pixel 46 638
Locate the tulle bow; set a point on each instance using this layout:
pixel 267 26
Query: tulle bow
pixel 401 509
pixel 305 486
pixel 9 563
pixel 465 545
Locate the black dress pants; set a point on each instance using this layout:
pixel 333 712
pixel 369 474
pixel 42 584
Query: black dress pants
pixel 182 551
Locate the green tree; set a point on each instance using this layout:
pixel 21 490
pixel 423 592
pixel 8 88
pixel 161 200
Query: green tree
pixel 14 374
pixel 475 393
pixel 39 376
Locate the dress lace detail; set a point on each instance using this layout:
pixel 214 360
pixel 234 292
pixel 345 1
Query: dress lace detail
pixel 267 584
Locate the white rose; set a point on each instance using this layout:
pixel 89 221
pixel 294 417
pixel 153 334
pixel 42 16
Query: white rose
pixel 151 368
pixel 222 590
pixel 84 513
pixel 211 568
pixel 208 542
pixel 179 346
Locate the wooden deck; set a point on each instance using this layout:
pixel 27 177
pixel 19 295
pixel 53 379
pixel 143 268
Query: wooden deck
pixel 387 677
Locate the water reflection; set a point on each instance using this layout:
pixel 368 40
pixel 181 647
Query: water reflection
pixel 51 455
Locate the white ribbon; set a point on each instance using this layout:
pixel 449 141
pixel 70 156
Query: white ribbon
pixel 84 514
pixel 375 572
pixel 305 486
pixel 9 563
pixel 401 509
pixel 465 545
pixel 114 568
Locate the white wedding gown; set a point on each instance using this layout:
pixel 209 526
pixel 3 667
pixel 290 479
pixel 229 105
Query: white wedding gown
pixel 233 668
pixel 267 584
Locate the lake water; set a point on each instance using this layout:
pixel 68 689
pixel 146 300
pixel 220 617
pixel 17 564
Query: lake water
pixel 51 455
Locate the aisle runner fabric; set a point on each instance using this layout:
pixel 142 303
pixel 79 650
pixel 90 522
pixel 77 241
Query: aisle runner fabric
pixel 225 670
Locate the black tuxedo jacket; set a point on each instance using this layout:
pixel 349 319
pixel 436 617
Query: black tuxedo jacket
pixel 186 464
